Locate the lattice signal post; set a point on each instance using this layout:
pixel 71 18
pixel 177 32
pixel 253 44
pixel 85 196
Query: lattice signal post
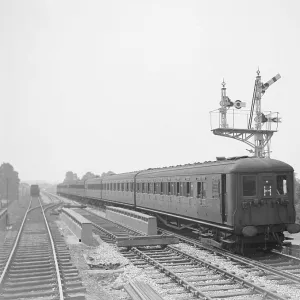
pixel 238 124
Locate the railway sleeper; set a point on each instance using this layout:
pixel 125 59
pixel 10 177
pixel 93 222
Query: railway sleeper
pixel 28 295
pixel 33 278
pixel 18 274
pixel 30 267
pixel 44 287
pixel 30 261
pixel 16 284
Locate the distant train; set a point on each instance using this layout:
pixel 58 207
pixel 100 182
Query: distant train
pixel 34 190
pixel 239 203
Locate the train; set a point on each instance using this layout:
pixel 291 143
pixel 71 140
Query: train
pixel 34 190
pixel 242 204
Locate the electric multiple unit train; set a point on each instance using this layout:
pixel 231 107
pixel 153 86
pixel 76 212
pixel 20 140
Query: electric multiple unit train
pixel 238 203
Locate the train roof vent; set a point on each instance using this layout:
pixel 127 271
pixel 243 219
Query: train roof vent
pixel 237 157
pixel 219 158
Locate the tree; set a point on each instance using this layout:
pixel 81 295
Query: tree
pixel 88 175
pixel 107 174
pixel 9 182
pixel 70 176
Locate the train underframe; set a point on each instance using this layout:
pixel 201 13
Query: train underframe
pixel 268 237
pixel 214 236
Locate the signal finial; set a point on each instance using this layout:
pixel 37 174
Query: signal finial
pixel 258 72
pixel 223 83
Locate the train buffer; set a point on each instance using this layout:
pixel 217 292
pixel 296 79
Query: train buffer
pixel 146 240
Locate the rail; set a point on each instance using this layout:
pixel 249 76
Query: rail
pixel 9 261
pixel 14 247
pixel 61 296
pixel 2 212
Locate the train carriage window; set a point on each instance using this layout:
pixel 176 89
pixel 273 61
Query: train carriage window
pixel 188 189
pixel 148 188
pixel 178 188
pixel 173 190
pixel 143 187
pixel 182 189
pixel 201 190
pixel 161 188
pixel 249 185
pixel 281 183
pixel 204 189
pixel 154 187
pixel 169 188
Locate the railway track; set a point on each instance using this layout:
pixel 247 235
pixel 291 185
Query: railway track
pixel 38 266
pixel 280 272
pixel 183 275
pixel 229 275
pixel 8 237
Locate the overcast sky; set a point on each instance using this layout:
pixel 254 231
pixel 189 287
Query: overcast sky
pixel 128 85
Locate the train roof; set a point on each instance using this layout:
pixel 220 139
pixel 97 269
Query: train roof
pixel 260 165
pixel 231 165
pixel 242 164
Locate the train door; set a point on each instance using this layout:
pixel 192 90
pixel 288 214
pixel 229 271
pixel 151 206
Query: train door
pixel 219 194
pixel 223 198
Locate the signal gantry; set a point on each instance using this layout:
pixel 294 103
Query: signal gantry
pixel 238 124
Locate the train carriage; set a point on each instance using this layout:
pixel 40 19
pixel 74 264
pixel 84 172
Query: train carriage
pixel 34 190
pixel 93 188
pixel 120 188
pixel 238 203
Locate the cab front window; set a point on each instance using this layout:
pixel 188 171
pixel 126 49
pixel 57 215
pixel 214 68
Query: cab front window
pixel 281 184
pixel 249 185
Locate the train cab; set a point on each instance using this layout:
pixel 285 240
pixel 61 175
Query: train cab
pixel 265 200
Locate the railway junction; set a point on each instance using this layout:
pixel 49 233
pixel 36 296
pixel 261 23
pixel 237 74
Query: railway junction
pixel 58 248
pixel 162 268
